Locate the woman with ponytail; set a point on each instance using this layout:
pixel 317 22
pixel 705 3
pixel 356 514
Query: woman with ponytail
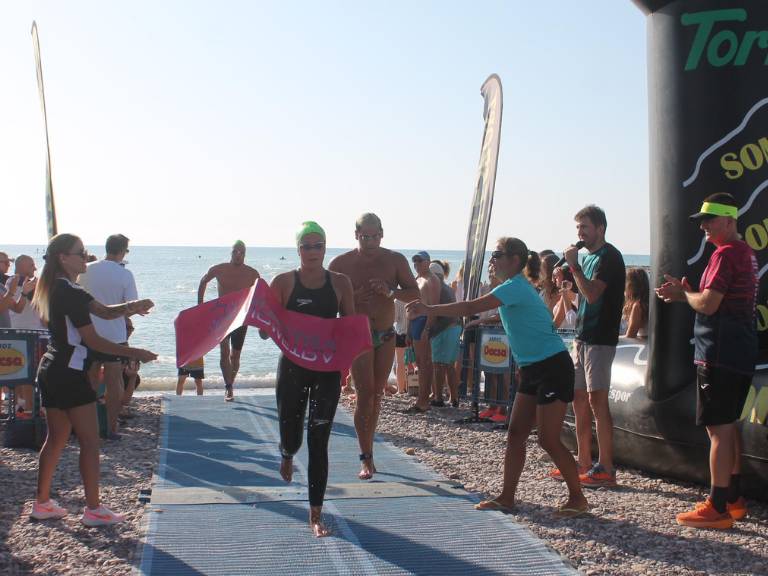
pixel 67 395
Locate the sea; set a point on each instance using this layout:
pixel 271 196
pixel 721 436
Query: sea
pixel 170 275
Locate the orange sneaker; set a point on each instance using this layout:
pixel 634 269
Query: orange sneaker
pixel 704 515
pixel 737 509
pixel 555 473
pixel 598 477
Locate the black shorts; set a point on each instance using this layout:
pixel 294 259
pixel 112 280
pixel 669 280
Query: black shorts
pixel 62 387
pixel 100 357
pixel 720 395
pixel 237 337
pixel 549 379
pixel 400 340
pixel 196 374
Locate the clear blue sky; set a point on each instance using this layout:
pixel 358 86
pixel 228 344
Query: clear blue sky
pixel 196 123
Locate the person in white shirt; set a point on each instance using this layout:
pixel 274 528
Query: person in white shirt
pixel 22 315
pixel 110 283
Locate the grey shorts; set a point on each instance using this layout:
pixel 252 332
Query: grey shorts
pixel 592 363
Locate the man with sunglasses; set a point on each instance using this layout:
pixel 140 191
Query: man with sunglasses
pixel 110 282
pixel 379 276
pixel 230 277
pixel 725 353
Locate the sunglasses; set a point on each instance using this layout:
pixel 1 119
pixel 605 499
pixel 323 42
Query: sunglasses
pixel 367 237
pixel 83 253
pixel 316 246
pixel 496 254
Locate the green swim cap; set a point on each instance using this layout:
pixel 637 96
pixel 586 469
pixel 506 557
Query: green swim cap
pixel 309 227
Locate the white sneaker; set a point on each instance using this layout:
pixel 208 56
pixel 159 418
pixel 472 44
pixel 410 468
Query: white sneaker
pixel 101 516
pixel 47 510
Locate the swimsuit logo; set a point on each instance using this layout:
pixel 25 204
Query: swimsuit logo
pixel 549 394
pixel 303 301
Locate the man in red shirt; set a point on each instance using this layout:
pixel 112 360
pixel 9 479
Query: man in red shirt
pixel 725 339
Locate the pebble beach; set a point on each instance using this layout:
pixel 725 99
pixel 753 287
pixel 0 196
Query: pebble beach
pixel 630 530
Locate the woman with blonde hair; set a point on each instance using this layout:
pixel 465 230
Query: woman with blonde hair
pixel 68 397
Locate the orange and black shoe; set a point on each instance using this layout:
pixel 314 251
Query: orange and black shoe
pixel 704 515
pixel 598 477
pixel 555 473
pixel 737 509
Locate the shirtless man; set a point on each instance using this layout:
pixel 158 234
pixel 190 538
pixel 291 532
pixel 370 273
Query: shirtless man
pixel 230 276
pixel 418 330
pixel 378 277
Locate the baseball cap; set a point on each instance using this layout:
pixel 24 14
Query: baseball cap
pixel 423 255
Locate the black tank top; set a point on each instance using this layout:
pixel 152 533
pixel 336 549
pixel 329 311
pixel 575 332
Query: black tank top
pixel 315 302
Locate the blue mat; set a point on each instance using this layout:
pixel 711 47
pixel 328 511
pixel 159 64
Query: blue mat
pixel 407 521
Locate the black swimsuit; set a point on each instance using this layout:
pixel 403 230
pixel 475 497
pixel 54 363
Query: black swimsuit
pixel 296 386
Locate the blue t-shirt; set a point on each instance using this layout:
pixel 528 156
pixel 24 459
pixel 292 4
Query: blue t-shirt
pixel 527 322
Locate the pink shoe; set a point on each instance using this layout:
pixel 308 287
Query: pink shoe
pixel 47 510
pixel 101 516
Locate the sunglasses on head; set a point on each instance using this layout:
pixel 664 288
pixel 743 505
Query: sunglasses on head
pixel 314 246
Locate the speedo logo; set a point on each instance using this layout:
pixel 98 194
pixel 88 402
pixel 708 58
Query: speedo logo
pixel 303 301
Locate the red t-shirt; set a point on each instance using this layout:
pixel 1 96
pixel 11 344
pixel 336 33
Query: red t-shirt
pixel 728 338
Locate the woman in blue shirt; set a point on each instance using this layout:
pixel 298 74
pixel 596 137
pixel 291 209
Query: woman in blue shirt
pixel 546 372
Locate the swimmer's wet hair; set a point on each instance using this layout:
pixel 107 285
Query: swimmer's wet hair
pixel 368 219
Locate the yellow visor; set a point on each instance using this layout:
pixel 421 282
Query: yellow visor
pixel 711 209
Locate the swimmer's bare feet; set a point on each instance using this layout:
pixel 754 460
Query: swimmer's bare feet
pixel 367 467
pixel 319 529
pixel 286 468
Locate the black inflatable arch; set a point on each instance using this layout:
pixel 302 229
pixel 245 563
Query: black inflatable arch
pixel 708 114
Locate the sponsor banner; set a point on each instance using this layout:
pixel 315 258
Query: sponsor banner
pixel 15 361
pixel 201 328
pixel 494 353
pixel 323 344
pixel 482 199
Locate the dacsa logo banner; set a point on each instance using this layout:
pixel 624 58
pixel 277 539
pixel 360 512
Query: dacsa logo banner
pixel 13 358
pixel 494 352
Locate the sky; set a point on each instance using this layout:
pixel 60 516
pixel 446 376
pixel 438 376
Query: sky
pixel 198 123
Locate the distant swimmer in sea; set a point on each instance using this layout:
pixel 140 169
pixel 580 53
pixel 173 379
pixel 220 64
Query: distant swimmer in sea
pixel 315 291
pixel 230 276
pixel 379 276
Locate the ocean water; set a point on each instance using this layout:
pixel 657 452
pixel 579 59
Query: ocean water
pixel 170 275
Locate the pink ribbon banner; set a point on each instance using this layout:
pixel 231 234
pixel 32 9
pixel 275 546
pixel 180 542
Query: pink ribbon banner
pixel 323 344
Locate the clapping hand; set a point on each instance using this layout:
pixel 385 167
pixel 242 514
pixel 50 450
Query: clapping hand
pixel 673 290
pixel 141 307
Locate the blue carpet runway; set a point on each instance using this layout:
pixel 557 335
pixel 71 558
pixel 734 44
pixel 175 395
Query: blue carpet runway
pixel 219 506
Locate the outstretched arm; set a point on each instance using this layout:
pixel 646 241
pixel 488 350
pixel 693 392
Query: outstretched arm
pixel 466 308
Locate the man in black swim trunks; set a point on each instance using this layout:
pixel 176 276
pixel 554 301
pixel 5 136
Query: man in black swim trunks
pixel 230 276
pixel 379 276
